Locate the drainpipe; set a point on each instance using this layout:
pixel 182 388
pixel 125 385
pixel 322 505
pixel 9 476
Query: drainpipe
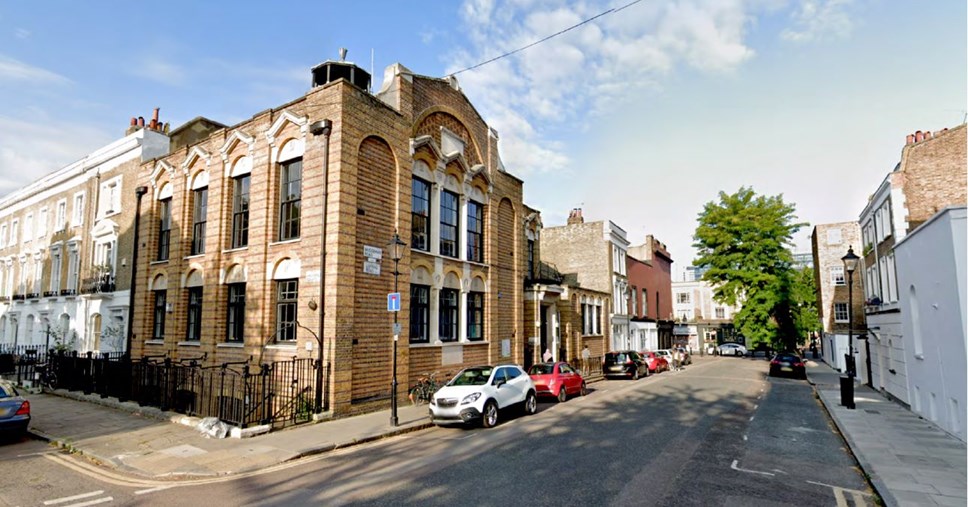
pixel 139 192
pixel 323 128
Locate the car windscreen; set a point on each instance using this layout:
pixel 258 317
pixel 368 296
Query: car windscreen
pixel 472 377
pixel 787 358
pixel 542 369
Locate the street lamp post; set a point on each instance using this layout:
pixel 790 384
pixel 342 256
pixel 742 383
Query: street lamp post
pixel 850 264
pixel 395 250
pixel 140 192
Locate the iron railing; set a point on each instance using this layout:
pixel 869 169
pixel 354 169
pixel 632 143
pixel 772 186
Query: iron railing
pixel 278 394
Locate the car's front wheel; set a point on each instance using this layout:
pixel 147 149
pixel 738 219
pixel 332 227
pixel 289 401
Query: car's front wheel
pixel 489 420
pixel 584 389
pixel 531 403
pixel 562 395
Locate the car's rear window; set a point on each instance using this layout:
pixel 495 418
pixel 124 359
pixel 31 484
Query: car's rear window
pixel 4 393
pixel 616 357
pixel 787 357
pixel 542 369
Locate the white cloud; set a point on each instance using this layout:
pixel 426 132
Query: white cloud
pixel 32 149
pixel 21 33
pixel 15 70
pixel 585 70
pixel 820 20
pixel 162 71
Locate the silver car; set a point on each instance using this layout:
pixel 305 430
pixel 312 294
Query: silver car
pixel 14 411
pixel 732 349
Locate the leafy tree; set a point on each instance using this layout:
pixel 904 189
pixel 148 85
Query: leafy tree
pixel 744 242
pixel 806 317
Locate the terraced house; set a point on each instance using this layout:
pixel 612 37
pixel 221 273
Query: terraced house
pixel 65 248
pixel 268 240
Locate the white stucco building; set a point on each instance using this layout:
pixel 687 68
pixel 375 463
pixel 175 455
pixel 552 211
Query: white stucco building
pixel 931 279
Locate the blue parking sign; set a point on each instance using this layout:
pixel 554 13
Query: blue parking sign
pixel 393 302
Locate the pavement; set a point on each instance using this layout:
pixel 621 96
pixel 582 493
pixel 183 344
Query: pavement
pixel 908 460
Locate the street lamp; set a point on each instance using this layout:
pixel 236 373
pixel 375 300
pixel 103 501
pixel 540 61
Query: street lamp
pixel 395 250
pixel 850 264
pixel 139 192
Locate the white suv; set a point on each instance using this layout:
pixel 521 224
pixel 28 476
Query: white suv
pixel 480 392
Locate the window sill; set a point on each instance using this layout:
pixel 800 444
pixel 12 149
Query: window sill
pixel 285 242
pixel 439 343
pixel 153 263
pixel 236 249
pixel 194 256
pixel 281 346
pixel 919 356
pixel 190 344
pixel 154 342
pixel 230 345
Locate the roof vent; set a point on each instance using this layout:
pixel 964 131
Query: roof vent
pixel 330 71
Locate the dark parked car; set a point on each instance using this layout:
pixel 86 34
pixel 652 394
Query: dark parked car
pixel 625 363
pixel 787 365
pixel 14 411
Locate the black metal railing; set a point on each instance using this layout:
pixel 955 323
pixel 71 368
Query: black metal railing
pixel 51 293
pixel 68 292
pixel 278 394
pixel 19 297
pixel 98 285
pixel 544 272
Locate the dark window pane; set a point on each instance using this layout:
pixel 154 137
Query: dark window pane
pixel 236 313
pixel 475 231
pixel 200 202
pixel 290 197
pixel 194 331
pixel 475 316
pixel 448 315
pixel 240 212
pixel 420 215
pixel 287 292
pixel 164 229
pixel 158 328
pixel 449 223
pixel 419 313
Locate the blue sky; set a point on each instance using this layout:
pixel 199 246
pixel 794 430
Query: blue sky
pixel 640 116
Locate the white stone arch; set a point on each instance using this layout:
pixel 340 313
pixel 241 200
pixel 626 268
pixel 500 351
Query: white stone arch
pixel 159 282
pixel 194 154
pixel 451 281
pixel 165 192
pixel 236 137
pixel 478 284
pixel 285 269
pixel 240 167
pixel 282 151
pixel 421 276
pixel 236 273
pixel 199 180
pixel 194 276
pixel 161 165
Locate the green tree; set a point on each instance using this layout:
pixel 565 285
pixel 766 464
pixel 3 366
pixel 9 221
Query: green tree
pixel 744 242
pixel 806 317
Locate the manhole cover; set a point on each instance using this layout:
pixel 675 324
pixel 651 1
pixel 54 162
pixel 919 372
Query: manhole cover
pixel 869 411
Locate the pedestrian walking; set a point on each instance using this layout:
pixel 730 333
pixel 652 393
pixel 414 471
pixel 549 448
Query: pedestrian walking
pixel 586 356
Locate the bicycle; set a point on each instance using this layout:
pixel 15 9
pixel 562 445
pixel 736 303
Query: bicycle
pixel 424 389
pixel 46 375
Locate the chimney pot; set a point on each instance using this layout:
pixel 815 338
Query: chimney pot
pixel 910 139
pixel 141 121
pixel 154 117
pixel 918 136
pixel 342 54
pixel 134 121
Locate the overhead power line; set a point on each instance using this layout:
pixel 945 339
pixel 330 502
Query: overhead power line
pixel 535 43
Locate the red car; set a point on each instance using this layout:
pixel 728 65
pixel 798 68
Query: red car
pixel 557 379
pixel 656 362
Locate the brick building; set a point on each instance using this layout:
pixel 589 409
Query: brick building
pixel 649 268
pixel 595 253
pixel 564 316
pixel 930 176
pixel 65 248
pixel 830 244
pixel 260 237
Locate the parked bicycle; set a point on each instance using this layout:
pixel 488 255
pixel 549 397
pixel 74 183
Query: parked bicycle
pixel 46 375
pixel 424 389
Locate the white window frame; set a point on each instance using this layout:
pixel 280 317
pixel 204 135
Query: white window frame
pixel 42 222
pixel 77 212
pixel 56 267
pixel 892 294
pixel 110 201
pixel 73 267
pixel 846 312
pixel 38 273
pixel 3 235
pixel 60 221
pixel 837 276
pixel 14 229
pixel 28 228
pixel 683 301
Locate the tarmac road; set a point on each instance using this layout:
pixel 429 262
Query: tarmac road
pixel 717 433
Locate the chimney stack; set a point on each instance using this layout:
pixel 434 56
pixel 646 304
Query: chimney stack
pixel 910 139
pixel 575 217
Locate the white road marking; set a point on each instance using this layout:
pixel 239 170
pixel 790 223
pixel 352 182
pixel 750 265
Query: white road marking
pixel 777 470
pixel 72 498
pixel 92 502
pixel 839 494
pixel 745 438
pixel 755 406
pixel 752 417
pixel 152 490
pixel 734 467
pixel 841 499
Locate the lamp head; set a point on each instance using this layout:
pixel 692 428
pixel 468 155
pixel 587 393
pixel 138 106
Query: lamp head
pixel 850 260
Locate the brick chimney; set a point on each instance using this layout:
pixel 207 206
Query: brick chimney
pixel 575 217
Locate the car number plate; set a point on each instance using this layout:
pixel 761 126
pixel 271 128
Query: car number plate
pixel 786 368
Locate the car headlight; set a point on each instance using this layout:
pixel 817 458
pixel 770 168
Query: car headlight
pixel 470 398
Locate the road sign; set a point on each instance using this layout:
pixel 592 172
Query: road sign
pixel 397 328
pixel 393 302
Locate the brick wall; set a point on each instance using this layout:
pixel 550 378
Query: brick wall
pixel 934 174
pixel 581 249
pixel 827 255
